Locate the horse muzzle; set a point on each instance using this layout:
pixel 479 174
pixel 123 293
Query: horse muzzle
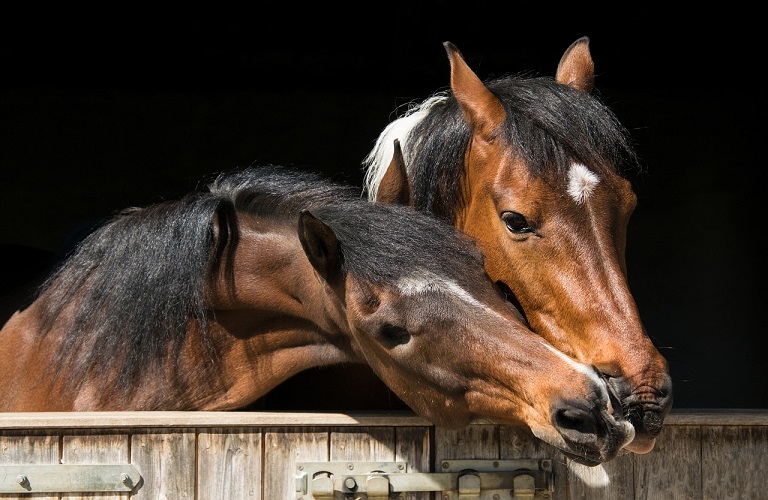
pixel 645 406
pixel 591 435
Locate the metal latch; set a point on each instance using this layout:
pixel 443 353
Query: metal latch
pixel 65 478
pixel 460 480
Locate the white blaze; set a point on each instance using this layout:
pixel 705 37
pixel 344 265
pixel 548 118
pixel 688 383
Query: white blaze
pixel 416 285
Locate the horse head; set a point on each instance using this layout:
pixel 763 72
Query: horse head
pixel 551 221
pixel 445 340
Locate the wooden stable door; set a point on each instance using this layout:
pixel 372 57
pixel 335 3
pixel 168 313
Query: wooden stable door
pixel 298 456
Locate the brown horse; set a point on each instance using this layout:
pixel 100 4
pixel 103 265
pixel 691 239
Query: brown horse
pixel 530 168
pixel 209 302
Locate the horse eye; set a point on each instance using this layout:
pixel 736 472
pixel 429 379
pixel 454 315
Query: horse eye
pixel 516 223
pixel 391 336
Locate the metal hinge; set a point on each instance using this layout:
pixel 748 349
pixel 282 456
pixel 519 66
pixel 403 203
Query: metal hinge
pixel 64 478
pixel 460 480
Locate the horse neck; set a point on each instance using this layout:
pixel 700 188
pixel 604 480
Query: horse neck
pixel 273 317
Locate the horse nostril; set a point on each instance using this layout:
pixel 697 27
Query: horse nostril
pixel 574 420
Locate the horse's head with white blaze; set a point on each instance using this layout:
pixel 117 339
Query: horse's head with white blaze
pixel 531 169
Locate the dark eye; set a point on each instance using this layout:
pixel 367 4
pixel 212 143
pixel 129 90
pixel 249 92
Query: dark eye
pixel 516 223
pixel 391 336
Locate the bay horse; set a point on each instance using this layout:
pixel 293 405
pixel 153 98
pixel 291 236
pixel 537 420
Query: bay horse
pixel 532 169
pixel 209 302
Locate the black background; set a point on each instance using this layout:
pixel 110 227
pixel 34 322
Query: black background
pixel 105 108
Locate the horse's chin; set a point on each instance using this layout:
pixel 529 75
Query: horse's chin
pixel 641 446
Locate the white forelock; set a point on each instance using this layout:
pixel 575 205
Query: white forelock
pixel 379 158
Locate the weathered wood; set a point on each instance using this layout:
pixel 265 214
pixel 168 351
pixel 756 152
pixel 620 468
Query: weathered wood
pixel 517 443
pixel 140 419
pixel 474 441
pixel 86 447
pixel 734 462
pixel 694 458
pixel 413 448
pixel 29 447
pixel 284 448
pixel 363 444
pixel 166 461
pixel 718 416
pixel 673 468
pixel 229 463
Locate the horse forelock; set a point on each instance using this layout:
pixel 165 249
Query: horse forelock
pixel 131 289
pixel 386 244
pixel 376 163
pixel 550 125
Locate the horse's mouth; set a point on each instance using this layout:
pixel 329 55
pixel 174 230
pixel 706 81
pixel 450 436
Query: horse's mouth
pixel 646 410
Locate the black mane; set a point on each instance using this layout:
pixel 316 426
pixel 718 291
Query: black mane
pixel 548 125
pixel 136 284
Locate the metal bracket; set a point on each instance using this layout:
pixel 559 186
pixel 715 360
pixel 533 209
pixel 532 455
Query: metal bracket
pixel 460 480
pixel 63 478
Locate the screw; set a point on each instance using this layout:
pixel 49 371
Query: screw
pixel 495 465
pixel 300 467
pixel 125 478
pixel 350 466
pixel 445 465
pixel 350 483
pixel 496 497
pixel 22 479
pixel 400 466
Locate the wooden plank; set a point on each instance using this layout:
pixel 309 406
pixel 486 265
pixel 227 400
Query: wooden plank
pixel 518 443
pixel 87 447
pixel 185 419
pixel 717 416
pixel 363 444
pixel 691 459
pixel 142 419
pixel 734 462
pixel 284 448
pixel 413 448
pixel 229 463
pixel 28 447
pixel 472 442
pixel 166 461
pixel 673 468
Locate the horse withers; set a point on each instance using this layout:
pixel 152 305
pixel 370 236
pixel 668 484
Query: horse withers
pixel 209 302
pixel 531 169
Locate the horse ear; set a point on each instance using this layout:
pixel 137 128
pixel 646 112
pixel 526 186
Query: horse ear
pixel 394 187
pixel 481 109
pixel 576 67
pixel 321 246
